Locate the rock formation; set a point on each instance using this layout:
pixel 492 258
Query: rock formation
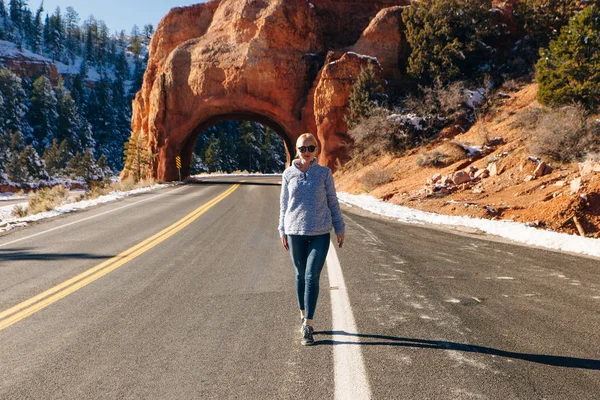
pixel 289 64
pixel 25 63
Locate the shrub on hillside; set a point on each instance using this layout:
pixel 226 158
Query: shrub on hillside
pixel 541 20
pixel 451 39
pixel 565 135
pixel 434 158
pixel 438 99
pixel 375 178
pixel 527 119
pixel 365 97
pixel 569 71
pixel 381 133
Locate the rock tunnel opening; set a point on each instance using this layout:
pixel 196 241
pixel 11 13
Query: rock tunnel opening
pixel 236 142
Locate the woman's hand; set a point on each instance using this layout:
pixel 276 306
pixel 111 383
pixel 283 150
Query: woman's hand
pixel 340 239
pixel 284 243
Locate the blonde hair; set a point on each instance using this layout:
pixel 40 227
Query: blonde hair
pixel 308 136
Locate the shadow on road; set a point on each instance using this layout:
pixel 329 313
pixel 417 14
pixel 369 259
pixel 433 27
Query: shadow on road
pixel 24 255
pixel 382 340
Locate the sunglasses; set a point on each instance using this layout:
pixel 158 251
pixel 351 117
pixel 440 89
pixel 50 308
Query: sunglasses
pixel 304 149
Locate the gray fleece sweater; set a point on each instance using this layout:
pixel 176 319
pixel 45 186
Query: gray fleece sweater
pixel 308 203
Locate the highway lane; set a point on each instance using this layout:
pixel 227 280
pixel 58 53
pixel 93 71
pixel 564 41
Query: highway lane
pixel 210 311
pixel 446 316
pixel 207 313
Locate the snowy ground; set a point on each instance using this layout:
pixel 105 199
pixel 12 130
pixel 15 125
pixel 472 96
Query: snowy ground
pixel 515 231
pixel 8 222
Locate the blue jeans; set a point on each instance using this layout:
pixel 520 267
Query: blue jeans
pixel 308 256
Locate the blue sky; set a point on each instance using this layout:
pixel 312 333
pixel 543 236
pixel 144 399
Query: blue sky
pixel 117 14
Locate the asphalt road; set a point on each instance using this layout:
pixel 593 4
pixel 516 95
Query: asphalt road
pixel 204 307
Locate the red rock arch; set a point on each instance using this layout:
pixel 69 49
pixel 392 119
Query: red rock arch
pixel 289 64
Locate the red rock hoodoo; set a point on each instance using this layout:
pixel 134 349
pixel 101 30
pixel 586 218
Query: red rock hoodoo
pixel 289 64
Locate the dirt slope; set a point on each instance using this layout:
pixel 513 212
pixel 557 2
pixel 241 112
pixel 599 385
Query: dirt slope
pixel 547 201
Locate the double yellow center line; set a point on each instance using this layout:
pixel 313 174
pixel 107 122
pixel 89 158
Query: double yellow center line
pixel 43 300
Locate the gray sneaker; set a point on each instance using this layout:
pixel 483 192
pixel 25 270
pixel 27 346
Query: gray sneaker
pixel 307 336
pixel 302 322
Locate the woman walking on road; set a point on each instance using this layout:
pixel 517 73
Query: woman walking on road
pixel 308 209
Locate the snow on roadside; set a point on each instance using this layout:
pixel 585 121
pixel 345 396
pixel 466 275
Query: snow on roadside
pixel 8 222
pixel 516 231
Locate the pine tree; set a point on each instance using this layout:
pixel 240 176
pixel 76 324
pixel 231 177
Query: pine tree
pixel 73 32
pixel 78 89
pixel 135 42
pixel 14 170
pixel 273 150
pixel 71 126
pixel 4 29
pixel 104 117
pixel 213 155
pixel 56 36
pixel 249 152
pixel 3 12
pixel 4 156
pixel 36 37
pixel 16 13
pixel 102 44
pixel 363 98
pixel 74 167
pixel 14 109
pixel 148 31
pixel 89 168
pixel 17 144
pixel 55 163
pixel 46 34
pixel 197 165
pixel 27 27
pixel 103 165
pixel 32 164
pixel 569 71
pixel 43 116
pixel 121 67
pixel 138 159
pixel 90 27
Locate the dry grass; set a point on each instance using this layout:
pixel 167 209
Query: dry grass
pixel 378 135
pixel 435 158
pixel 121 186
pixel 437 100
pixel 527 119
pixel 19 211
pixel 47 199
pixel 375 178
pixel 565 135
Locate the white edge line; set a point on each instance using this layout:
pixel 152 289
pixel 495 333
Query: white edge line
pixel 88 218
pixel 349 369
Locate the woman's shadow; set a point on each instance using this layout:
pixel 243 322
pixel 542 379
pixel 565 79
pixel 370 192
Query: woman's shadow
pixel 382 340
